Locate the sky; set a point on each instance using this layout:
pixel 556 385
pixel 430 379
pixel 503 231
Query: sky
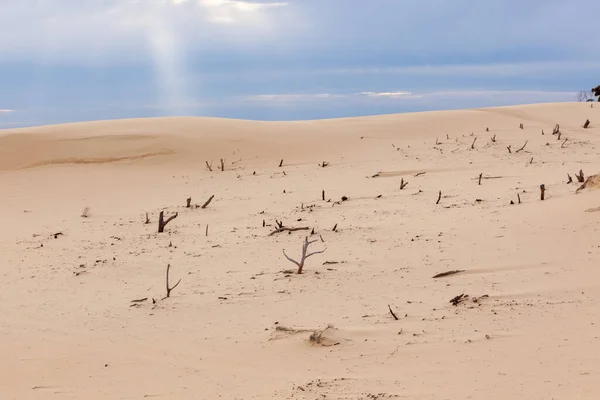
pixel 80 60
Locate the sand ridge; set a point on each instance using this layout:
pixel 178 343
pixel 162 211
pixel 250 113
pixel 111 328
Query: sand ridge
pixel 242 326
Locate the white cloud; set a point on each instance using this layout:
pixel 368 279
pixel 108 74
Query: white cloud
pixel 408 97
pixel 6 111
pixel 89 31
pixel 385 94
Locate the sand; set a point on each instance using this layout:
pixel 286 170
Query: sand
pixel 237 327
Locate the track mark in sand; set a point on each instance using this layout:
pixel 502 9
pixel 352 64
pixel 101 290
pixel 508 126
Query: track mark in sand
pixel 117 137
pixel 98 160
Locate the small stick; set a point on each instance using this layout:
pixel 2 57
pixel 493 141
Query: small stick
pixel 209 166
pixel 264 223
pixel 509 149
pixel 208 201
pixel 580 177
pixel 523 147
pixel 480 176
pixel 437 141
pixel 188 203
pixel 494 138
pixel 403 184
pixel 519 198
pixel 559 135
pixel 169 289
pixel 563 144
pixel 487 129
pixel 391 312
pixel 222 165
pixel 147 219
pixel 587 123
pixel 556 129
pixel 543 132
pixel 531 161
pixel 334 228
pixel 473 144
pixel 281 163
pixel 570 179
pixel 521 126
pixel 420 173
pixel 439 198
pixel 542 191
pixel 206 229
pixel 323 195
pixel 447 136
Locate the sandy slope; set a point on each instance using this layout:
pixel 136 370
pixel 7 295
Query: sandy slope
pixel 68 329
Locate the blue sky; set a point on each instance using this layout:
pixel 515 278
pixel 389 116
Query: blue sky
pixel 78 60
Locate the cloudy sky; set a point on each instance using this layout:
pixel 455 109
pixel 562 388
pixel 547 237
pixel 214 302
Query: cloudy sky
pixel 75 60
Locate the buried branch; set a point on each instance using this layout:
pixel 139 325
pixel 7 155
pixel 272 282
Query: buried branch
pixel 169 289
pixel 522 147
pixel 208 201
pixel 403 184
pixel 580 177
pixel 305 255
pixel 286 229
pixel 162 222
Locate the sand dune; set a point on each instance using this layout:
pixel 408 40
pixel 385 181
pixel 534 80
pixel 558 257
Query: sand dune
pixel 239 326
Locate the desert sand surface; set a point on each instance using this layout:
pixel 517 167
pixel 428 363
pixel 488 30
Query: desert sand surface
pixel 240 323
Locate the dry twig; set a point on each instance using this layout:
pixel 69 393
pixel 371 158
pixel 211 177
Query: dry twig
pixel 305 255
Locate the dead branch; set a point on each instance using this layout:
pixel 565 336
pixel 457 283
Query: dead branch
pixel 334 228
pixel 473 144
pixel 391 312
pixel 487 129
pixel 323 195
pixel 209 166
pixel 531 161
pixel 403 184
pixel 206 229
pixel 420 173
pixel 448 273
pixel 222 165
pixel 556 129
pixel 570 179
pixel 480 176
pixel 494 138
pixel 459 299
pixel 439 197
pixel 304 254
pixel 281 163
pixel 522 147
pixel 519 198
pixel 286 229
pixel 162 222
pixel 521 126
pixel 323 164
pixel 85 213
pixel 147 219
pixel 580 177
pixel 587 123
pixel 509 149
pixel 542 191
pixel 188 203
pixel 169 289
pixel 563 144
pixel 208 201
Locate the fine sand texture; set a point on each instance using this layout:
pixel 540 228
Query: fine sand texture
pixel 83 313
